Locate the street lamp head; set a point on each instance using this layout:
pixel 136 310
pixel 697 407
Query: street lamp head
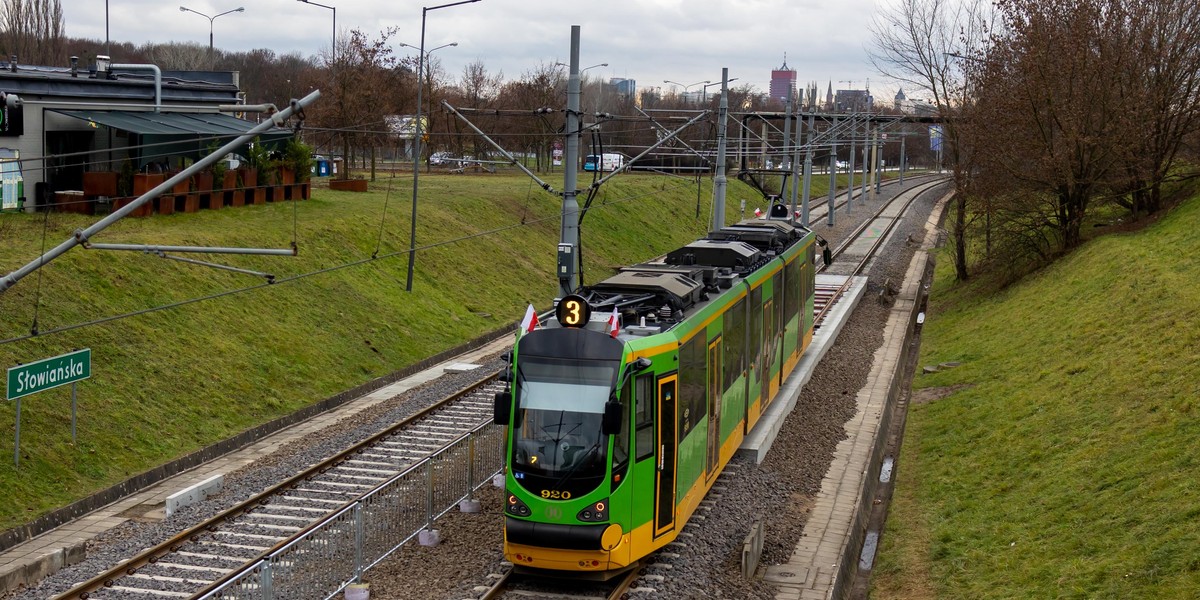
pixel 183 9
pixel 240 9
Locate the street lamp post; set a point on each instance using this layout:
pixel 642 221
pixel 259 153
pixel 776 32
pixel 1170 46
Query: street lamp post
pixel 428 76
pixel 412 236
pixel 333 48
pixel 583 69
pixel 685 87
pixel 704 89
pixel 210 21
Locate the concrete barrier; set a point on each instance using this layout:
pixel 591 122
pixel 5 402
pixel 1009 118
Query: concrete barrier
pixel 195 493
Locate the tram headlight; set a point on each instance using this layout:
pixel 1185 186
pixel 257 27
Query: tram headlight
pixel 514 506
pixel 595 512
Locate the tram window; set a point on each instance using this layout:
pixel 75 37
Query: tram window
pixel 644 416
pixel 621 443
pixel 692 383
pixel 735 342
pixel 778 296
pixel 754 329
pixel 791 295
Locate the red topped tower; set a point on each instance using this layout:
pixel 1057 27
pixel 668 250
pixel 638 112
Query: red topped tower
pixel 783 82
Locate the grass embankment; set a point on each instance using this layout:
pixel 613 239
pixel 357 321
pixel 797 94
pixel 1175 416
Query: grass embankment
pixel 169 382
pixel 1066 466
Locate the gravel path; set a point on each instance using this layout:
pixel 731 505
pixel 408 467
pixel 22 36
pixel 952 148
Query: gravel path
pixel 707 566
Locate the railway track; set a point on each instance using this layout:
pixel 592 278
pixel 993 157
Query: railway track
pixel 518 585
pixel 862 243
pixel 223 547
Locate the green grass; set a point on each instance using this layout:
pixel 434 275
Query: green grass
pixel 169 382
pixel 1065 467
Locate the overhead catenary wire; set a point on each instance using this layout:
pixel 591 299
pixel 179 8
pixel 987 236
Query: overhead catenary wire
pixel 280 280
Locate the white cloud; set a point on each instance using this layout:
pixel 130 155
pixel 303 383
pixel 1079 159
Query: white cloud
pixel 646 40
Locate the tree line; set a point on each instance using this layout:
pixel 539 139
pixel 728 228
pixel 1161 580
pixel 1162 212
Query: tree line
pixel 1058 114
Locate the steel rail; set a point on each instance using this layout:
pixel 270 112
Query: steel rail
pixel 153 554
pixel 509 579
pixel 912 194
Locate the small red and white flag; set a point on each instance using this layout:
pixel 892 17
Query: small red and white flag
pixel 758 212
pixel 530 322
pixel 614 323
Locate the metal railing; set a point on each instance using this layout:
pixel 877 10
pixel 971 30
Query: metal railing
pixel 334 553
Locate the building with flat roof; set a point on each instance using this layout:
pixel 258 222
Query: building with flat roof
pixel 57 123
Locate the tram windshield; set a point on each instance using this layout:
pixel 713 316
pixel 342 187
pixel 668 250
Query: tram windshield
pixel 560 405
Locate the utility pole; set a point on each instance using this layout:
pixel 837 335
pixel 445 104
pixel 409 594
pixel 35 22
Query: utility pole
pixel 568 245
pixel 850 187
pixel 808 166
pixel 719 184
pixel 787 142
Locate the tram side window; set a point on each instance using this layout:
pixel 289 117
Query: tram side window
pixel 755 329
pixel 791 294
pixel 734 333
pixel 778 295
pixel 643 416
pixel 692 377
pixel 621 444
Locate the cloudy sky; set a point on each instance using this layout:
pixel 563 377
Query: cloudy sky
pixel 685 41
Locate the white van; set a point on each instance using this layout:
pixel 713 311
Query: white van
pixel 603 162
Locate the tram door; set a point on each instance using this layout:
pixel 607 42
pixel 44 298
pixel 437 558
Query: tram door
pixel 714 406
pixel 664 495
pixel 768 345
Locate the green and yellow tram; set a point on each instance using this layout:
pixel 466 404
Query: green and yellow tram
pixel 624 407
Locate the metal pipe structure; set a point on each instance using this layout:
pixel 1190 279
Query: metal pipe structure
pixel 157 80
pixel 84 235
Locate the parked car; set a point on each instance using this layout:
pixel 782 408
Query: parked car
pixel 843 165
pixel 440 159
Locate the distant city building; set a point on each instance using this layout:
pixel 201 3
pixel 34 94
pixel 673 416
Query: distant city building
pixel 829 97
pixel 624 87
pixel 853 101
pixel 898 102
pixel 783 82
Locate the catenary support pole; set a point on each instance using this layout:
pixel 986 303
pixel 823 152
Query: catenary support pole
pixel 829 204
pixel 808 167
pixel 787 145
pixel 850 172
pixel 568 246
pixel 720 184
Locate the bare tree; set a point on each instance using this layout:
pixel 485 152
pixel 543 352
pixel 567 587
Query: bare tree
pixel 33 31
pixel 920 42
pixel 1162 91
pixel 182 56
pixel 1052 106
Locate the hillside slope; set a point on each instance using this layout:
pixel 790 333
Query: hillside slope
pixel 1060 459
pixel 166 383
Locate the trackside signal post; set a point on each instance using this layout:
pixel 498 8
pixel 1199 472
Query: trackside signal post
pixel 44 374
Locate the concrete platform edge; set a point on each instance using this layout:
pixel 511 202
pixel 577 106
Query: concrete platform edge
pixel 809 574
pixel 761 438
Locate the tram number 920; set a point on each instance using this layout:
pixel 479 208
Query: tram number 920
pixel 556 495
pixel 573 311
